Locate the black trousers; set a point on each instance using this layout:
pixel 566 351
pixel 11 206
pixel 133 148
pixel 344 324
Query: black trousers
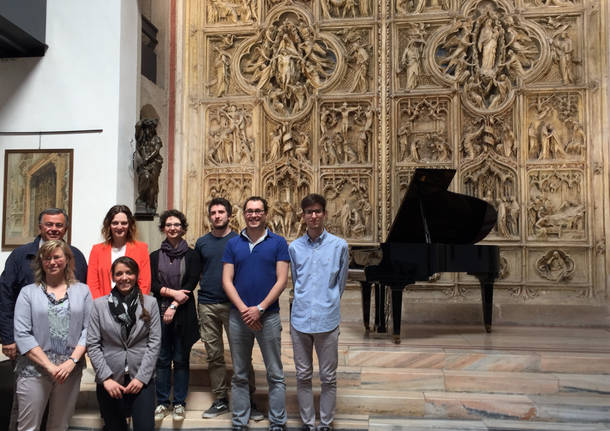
pixel 141 408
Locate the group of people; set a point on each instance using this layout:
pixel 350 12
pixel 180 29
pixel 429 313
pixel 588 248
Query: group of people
pixel 135 315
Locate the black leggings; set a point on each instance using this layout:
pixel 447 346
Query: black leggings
pixel 141 408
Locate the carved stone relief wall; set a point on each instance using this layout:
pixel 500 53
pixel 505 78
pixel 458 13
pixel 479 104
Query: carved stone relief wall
pixel 348 97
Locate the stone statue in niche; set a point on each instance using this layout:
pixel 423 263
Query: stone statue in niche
pixel 148 162
pixel 230 136
pixel 222 66
pixel 555 207
pixel 346 133
pixel 411 57
pixel 488 53
pixel 562 47
pixel 358 55
pixel 344 8
pixel 352 215
pixel 555 265
pixel 224 12
pixel 287 63
pixel 422 135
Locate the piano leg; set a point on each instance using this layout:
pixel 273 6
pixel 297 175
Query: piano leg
pixel 487 298
pixel 366 305
pixel 380 308
pixel 396 311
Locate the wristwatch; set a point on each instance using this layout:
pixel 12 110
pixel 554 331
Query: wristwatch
pixel 74 360
pixel 173 306
pixel 260 309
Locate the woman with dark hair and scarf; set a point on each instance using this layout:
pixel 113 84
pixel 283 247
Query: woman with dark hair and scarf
pixel 123 342
pixel 175 271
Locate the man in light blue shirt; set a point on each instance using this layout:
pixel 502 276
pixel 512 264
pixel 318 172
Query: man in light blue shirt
pixel 319 262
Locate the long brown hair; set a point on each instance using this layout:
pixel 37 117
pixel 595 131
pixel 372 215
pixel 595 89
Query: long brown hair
pixel 133 266
pixel 117 209
pixel 48 247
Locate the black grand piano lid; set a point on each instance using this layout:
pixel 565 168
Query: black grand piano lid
pixel 452 218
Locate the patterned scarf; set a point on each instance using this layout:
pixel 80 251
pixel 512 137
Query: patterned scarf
pixel 170 262
pixel 123 308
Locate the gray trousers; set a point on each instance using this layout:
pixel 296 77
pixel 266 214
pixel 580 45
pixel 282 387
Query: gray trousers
pixel 33 393
pixel 269 339
pixel 326 345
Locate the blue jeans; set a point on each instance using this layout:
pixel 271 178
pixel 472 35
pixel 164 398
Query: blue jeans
pixel 173 349
pixel 241 340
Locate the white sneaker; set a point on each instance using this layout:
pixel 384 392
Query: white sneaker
pixel 160 412
pixel 178 412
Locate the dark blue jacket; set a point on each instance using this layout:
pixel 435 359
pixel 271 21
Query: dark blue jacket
pixel 17 274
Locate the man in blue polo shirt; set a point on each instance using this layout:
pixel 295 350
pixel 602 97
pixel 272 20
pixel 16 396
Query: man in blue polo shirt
pixel 319 263
pixel 255 271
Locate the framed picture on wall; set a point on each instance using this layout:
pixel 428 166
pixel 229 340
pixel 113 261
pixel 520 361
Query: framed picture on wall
pixel 33 181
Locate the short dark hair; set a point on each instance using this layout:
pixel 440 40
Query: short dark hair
pixel 172 213
pixel 117 209
pixel 54 211
pixel 221 201
pixel 256 198
pixel 313 199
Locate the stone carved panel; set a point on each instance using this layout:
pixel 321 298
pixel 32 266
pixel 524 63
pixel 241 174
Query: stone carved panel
pixel 288 61
pixel 238 12
pixel 351 214
pixel 560 268
pixel 231 184
pixel 422 135
pixel 554 127
pixel 556 208
pixel 348 98
pixel 483 135
pixel 496 183
pixel 220 82
pixel 346 133
pixel 489 51
pixel 230 135
pixel 330 9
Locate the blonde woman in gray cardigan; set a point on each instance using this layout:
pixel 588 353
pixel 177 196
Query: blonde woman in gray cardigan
pixel 51 318
pixel 123 343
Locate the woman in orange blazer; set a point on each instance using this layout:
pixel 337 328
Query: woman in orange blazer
pixel 119 233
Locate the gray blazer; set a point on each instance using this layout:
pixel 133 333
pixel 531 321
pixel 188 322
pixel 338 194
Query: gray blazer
pixel 109 352
pixel 32 317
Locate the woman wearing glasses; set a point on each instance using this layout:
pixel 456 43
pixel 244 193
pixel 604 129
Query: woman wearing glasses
pixel 51 318
pixel 175 271
pixel 119 233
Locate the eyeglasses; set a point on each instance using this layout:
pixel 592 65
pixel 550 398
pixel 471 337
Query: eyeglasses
pixel 176 225
pixel 317 211
pixel 50 224
pixel 256 211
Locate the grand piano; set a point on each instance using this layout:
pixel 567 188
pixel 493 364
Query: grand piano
pixel 434 231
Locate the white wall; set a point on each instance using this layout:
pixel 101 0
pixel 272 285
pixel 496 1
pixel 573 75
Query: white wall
pixel 88 79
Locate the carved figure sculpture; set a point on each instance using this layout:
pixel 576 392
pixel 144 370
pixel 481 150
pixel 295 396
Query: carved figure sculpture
pixel 562 50
pixel 148 163
pixel 555 265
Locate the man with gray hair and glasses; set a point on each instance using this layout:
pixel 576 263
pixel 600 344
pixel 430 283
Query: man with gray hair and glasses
pixel 52 224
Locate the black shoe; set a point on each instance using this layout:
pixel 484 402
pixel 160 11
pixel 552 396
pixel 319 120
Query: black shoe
pixel 218 407
pixel 308 428
pixel 239 428
pixel 325 429
pixel 277 427
pixel 255 414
